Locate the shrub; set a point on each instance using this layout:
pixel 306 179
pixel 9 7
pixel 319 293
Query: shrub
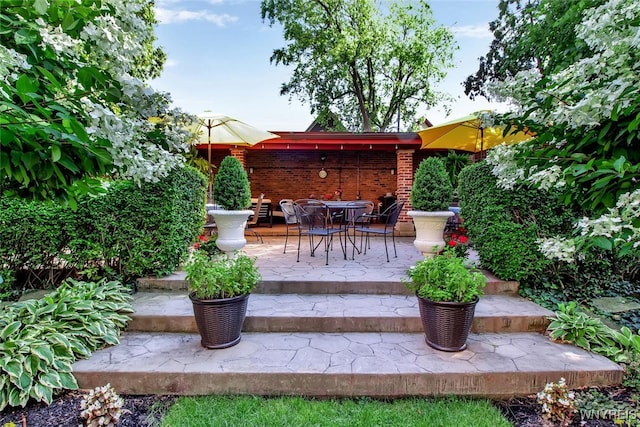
pixel 231 189
pixel 40 339
pixel 130 231
pixel 504 225
pixel 432 189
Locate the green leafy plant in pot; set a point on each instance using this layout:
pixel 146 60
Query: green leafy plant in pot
pixel 431 196
pixel 232 194
pixel 447 296
pixel 219 289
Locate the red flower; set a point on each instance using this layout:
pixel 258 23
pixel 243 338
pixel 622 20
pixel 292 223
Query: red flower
pixel 196 245
pixel 463 239
pixel 452 242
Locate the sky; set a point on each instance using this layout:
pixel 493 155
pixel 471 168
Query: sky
pixel 218 60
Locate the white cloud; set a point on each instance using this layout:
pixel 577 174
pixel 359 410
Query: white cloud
pixel 171 63
pixel 472 31
pixel 170 16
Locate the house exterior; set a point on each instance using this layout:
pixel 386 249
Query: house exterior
pixel 364 166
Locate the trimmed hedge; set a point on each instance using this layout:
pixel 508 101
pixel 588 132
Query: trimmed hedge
pixel 131 231
pixel 504 225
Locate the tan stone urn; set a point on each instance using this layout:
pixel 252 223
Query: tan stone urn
pixel 429 230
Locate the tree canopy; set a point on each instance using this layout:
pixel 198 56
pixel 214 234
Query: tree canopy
pixel 73 103
pixel 530 34
pixel 364 61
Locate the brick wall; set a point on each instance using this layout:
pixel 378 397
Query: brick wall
pixel 293 174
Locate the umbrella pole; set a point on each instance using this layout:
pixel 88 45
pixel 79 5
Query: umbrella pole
pixel 210 198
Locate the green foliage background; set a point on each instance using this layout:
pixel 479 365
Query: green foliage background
pixel 504 225
pixel 131 231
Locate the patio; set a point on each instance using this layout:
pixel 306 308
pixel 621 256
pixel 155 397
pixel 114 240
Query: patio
pixel 346 329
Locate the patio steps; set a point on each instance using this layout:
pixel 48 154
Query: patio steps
pixel 344 338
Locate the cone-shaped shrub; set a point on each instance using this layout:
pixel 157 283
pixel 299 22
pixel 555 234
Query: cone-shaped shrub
pixel 432 189
pixel 231 189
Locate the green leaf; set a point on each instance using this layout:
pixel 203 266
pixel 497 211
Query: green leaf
pixel 32 364
pixel 14 369
pixel 41 6
pixel 44 353
pixel 10 329
pixel 56 153
pixel 50 379
pixel 25 36
pixel 603 242
pixel 68 381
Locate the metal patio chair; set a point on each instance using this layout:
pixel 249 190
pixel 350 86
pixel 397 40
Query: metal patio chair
pixel 389 218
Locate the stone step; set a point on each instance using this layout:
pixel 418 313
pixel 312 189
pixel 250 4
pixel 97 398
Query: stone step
pixel 173 312
pixel 328 282
pixel 342 364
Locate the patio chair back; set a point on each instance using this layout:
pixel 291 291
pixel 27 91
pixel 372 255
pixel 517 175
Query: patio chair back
pixel 289 215
pixel 253 220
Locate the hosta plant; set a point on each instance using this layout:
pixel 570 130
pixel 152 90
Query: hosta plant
pixel 41 339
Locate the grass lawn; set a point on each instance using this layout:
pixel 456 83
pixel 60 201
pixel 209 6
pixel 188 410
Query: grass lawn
pixel 297 411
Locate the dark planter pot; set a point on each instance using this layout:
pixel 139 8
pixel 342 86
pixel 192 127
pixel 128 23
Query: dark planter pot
pixel 446 324
pixel 219 321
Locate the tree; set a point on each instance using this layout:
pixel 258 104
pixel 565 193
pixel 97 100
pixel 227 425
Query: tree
pixel 530 34
pixel 587 120
pixel 362 64
pixel 74 104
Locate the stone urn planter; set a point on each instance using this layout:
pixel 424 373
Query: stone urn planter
pixel 232 193
pixel 231 226
pixel 431 196
pixel 429 230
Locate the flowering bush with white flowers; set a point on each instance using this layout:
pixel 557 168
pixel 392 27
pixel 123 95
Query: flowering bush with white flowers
pixel 587 120
pixel 558 403
pixel 75 103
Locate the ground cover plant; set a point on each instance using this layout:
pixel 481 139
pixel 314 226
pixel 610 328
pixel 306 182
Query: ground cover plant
pixel 41 338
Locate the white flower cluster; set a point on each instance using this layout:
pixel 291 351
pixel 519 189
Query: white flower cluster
pixel 57 39
pixel 10 62
pixel 618 223
pixel 557 248
pixel 505 167
pixel 547 178
pixel 111 42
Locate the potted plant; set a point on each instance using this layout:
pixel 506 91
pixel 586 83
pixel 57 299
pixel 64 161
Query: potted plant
pixel 219 288
pixel 232 195
pixel 431 196
pixel 447 296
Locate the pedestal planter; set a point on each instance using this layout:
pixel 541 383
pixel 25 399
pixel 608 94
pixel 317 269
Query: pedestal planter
pixel 446 324
pixel 429 230
pixel 219 321
pixel 231 226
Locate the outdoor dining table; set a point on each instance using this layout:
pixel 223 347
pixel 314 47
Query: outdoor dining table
pixel 345 206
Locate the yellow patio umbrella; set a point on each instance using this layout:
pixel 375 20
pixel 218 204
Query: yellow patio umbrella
pixel 468 134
